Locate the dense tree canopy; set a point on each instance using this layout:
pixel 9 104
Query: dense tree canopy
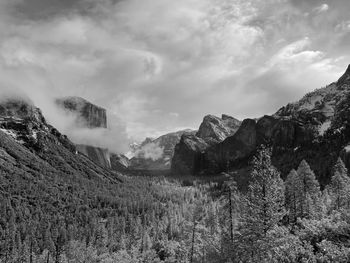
pixel 142 219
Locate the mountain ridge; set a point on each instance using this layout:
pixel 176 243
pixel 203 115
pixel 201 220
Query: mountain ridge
pixel 302 129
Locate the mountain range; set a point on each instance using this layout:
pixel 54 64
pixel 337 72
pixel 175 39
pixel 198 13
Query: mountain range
pixel 315 128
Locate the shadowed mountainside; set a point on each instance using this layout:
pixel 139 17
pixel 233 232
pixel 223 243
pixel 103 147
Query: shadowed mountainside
pixel 314 128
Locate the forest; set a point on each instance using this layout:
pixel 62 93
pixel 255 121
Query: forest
pixel 149 220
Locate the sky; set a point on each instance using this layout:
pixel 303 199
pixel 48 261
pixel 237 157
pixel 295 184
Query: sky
pixel 161 65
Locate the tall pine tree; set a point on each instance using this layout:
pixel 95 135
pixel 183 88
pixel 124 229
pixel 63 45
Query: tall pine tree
pixel 339 187
pixel 264 207
pixel 310 192
pixel 293 194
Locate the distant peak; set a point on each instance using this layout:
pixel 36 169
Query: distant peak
pixel 345 79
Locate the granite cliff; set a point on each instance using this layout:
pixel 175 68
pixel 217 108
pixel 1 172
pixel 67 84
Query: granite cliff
pixel 88 116
pixel 314 128
pixel 188 154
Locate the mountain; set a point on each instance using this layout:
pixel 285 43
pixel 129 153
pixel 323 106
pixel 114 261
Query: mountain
pixel 88 116
pixel 32 147
pixel 156 154
pixel 189 151
pixel 59 206
pixel 314 128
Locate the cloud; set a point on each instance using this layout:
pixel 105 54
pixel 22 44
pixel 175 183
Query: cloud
pixel 156 65
pixel 321 9
pixel 151 151
pixel 296 54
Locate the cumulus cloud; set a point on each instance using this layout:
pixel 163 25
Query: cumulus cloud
pixel 151 151
pixel 322 8
pixel 157 65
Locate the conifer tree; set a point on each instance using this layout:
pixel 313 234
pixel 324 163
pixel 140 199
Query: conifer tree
pixel 231 199
pixel 198 214
pixel 263 206
pixel 293 195
pixel 310 195
pixel 340 186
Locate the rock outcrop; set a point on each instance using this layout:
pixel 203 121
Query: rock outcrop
pixel 119 162
pixel 189 153
pixel 214 130
pixel 99 155
pixel 89 115
pixel 25 123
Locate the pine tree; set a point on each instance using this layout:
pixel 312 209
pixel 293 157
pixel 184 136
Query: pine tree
pixel 293 195
pixel 230 199
pixel 197 216
pixel 310 192
pixel 263 206
pixel 340 186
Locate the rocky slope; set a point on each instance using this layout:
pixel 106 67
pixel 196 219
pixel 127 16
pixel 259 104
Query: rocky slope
pixel 313 128
pixel 156 154
pixel 31 147
pixel 88 116
pixel 188 155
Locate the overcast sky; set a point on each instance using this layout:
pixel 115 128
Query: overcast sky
pixel 161 65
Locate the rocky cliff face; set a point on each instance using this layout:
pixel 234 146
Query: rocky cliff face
pixel 119 162
pixel 214 130
pixel 313 128
pixel 189 153
pixel 22 121
pixel 99 155
pixel 156 154
pixel 89 115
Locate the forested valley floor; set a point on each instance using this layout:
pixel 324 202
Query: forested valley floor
pixel 141 219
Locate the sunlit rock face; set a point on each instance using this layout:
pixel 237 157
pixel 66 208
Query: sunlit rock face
pixel 314 128
pixel 214 129
pixel 89 115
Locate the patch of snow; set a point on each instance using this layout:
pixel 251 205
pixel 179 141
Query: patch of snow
pixel 347 148
pixel 35 135
pixel 9 132
pixel 324 127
